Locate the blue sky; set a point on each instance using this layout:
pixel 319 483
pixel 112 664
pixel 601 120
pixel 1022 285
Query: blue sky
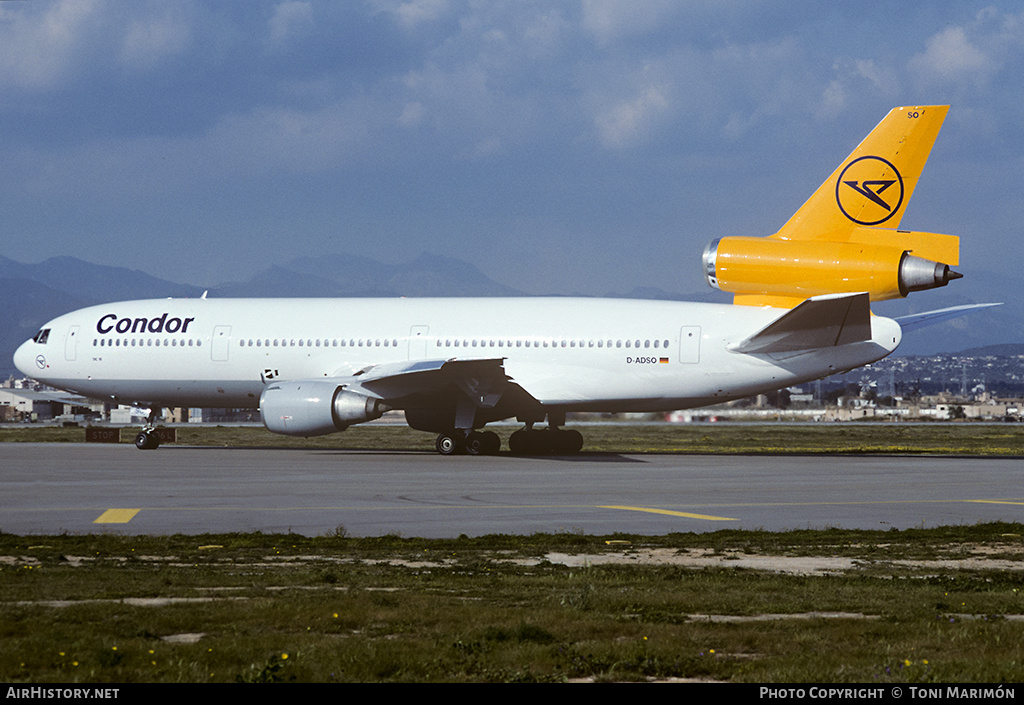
pixel 560 147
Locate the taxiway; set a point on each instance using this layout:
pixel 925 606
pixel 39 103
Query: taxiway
pixel 51 488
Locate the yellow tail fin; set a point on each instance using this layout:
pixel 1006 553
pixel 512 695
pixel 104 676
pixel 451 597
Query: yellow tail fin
pixel 874 184
pixel 844 239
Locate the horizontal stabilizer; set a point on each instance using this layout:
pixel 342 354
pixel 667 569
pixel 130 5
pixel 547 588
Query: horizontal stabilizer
pixel 920 320
pixel 818 322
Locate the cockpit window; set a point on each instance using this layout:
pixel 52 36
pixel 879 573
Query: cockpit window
pixel 42 336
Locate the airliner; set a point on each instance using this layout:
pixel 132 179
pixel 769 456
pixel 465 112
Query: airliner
pixel 800 311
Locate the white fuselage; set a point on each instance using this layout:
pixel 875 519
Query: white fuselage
pixel 571 353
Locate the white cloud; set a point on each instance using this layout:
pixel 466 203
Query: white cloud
pixel 972 54
pixel 610 20
pixel 862 78
pixel 291 19
pixel 151 39
pixel 39 43
pixel 630 121
pixel 412 114
pixel 950 56
pixel 413 13
pixel 288 139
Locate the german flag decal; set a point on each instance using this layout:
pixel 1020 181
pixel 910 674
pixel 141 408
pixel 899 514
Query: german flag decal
pixel 663 360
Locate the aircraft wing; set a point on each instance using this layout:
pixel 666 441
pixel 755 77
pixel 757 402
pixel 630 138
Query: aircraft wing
pixel 920 320
pixel 483 380
pixel 57 396
pixel 819 322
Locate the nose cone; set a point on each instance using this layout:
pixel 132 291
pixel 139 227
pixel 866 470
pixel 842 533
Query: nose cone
pixel 29 359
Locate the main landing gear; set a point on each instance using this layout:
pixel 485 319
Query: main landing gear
pixel 471 442
pixel 549 441
pixel 526 441
pixel 147 439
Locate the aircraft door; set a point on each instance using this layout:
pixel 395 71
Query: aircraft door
pixel 71 344
pixel 689 345
pixel 418 342
pixel 220 343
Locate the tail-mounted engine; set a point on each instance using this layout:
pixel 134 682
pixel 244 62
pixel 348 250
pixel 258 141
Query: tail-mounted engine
pixel 887 264
pixel 315 407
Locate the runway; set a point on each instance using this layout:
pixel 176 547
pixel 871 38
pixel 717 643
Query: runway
pixel 84 488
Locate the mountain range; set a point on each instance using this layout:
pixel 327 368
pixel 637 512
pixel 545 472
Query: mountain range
pixel 34 293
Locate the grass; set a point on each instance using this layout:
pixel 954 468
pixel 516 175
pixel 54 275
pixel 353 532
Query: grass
pixel 868 438
pixel 274 608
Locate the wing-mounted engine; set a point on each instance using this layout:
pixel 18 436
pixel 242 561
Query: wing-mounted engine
pixel 315 407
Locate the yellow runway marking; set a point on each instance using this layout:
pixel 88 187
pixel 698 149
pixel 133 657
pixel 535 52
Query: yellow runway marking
pixel 670 513
pixel 116 516
pixel 995 501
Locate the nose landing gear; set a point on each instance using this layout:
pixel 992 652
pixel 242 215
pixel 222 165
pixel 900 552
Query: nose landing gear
pixel 147 439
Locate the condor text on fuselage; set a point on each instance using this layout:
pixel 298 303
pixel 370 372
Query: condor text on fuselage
pixel 159 324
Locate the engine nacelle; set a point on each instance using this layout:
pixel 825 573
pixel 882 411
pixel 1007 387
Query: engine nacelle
pixel 751 266
pixel 315 407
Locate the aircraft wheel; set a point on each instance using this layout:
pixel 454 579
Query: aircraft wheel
pixel 517 442
pixel 475 443
pixel 492 443
pixel 483 443
pixel 146 441
pixel 572 442
pixel 545 442
pixel 447 444
pixel 524 442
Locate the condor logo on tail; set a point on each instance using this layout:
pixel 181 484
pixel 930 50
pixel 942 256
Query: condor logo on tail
pixel 869 190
